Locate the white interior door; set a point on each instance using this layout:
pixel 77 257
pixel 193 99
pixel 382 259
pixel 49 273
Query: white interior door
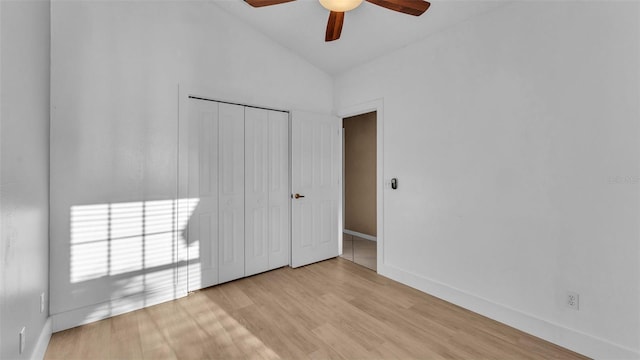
pixel 202 190
pixel 231 192
pixel 315 183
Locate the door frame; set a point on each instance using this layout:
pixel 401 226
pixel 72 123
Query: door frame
pixel 358 109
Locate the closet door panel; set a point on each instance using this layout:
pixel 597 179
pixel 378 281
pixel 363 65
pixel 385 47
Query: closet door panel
pixel 279 193
pixel 202 199
pixel 256 191
pixel 231 192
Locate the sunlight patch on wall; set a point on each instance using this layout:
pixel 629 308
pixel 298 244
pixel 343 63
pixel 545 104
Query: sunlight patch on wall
pixel 128 238
pixel 89 246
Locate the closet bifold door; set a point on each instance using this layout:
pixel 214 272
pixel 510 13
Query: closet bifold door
pixel 256 169
pixel 266 190
pixel 279 192
pixel 231 192
pixel 202 195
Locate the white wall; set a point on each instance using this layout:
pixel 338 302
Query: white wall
pixel 24 175
pixel 525 123
pixel 116 66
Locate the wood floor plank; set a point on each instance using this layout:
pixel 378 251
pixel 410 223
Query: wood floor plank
pixel 152 343
pixel 235 295
pixel 208 316
pixel 341 342
pixel 95 337
pixel 259 323
pixel 125 338
pixel 183 335
pixel 330 310
pixel 62 344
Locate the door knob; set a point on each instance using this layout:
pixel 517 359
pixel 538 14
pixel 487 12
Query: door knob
pixel 298 196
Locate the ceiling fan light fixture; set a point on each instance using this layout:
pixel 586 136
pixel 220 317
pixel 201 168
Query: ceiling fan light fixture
pixel 340 5
pixel 337 8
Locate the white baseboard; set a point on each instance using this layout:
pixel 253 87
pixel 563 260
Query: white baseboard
pixel 89 314
pixel 43 341
pixel 577 341
pixel 359 234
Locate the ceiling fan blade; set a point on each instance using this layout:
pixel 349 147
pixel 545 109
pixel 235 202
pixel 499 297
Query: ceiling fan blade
pixel 334 26
pixel 411 7
pixel 261 3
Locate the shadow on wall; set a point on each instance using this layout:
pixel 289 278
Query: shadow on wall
pixel 129 250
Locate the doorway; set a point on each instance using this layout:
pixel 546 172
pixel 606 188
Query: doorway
pixel 360 192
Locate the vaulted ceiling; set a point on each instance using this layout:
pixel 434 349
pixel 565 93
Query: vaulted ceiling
pixel 369 31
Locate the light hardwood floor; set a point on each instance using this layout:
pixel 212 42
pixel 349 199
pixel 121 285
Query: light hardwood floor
pixel 330 310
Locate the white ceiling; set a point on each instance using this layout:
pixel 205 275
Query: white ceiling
pixel 369 31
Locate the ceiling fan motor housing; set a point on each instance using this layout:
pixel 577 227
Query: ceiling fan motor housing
pixel 340 5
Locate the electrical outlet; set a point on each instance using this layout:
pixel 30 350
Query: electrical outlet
pixel 22 335
pixel 573 300
pixel 41 303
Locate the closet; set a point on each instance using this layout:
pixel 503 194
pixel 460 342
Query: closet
pixel 237 206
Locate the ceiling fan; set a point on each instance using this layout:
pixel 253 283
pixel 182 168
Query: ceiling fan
pixel 337 9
